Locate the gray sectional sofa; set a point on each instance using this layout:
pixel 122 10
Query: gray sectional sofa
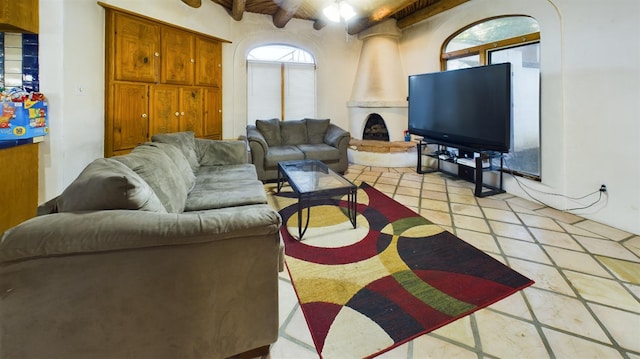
pixel 272 141
pixel 170 251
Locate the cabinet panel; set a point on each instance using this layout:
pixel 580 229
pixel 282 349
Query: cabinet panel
pixel 19 16
pixel 136 46
pixel 208 62
pixel 130 116
pixel 177 57
pixel 165 109
pixel 19 190
pixel 160 79
pixel 191 112
pixel 212 113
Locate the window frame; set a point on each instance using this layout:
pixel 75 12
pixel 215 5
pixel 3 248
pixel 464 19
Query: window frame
pixel 284 67
pixel 482 51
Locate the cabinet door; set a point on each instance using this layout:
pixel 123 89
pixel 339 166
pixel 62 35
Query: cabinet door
pixel 208 62
pixel 212 113
pixel 136 44
pixel 177 57
pixel 130 119
pixel 165 109
pixel 191 110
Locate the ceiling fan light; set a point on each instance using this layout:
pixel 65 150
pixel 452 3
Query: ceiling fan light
pixel 332 12
pixel 346 10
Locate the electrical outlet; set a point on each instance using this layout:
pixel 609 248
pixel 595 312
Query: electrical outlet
pixel 603 188
pixel 80 90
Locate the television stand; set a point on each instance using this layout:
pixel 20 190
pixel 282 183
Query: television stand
pixel 470 169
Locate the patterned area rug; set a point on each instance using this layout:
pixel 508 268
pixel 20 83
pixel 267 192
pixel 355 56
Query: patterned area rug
pixel 395 277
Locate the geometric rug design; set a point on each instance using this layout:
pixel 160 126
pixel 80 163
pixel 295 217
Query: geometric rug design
pixel 395 277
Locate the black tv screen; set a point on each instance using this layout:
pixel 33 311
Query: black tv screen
pixel 466 108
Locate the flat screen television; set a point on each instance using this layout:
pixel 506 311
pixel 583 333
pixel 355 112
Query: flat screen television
pixel 466 108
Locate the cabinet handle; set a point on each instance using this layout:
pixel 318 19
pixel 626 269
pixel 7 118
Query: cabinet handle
pixel 193 61
pixel 156 54
pixel 177 113
pixel 220 111
pixel 219 65
pixel 144 115
pixel 181 113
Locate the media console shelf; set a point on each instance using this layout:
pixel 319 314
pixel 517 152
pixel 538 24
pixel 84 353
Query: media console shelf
pixel 470 169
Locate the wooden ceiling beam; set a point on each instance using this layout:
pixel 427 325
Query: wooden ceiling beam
pixel 319 24
pixel 378 15
pixel 285 12
pixel 193 3
pixel 237 9
pixel 429 11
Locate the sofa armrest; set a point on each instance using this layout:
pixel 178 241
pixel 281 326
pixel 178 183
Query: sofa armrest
pixel 74 233
pixel 336 135
pixel 254 136
pixel 221 152
pixel 258 148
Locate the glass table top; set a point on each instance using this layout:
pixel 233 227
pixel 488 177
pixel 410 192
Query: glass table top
pixel 309 176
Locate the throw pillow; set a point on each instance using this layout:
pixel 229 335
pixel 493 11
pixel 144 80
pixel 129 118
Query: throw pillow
pixel 185 141
pixel 270 129
pixel 157 169
pixel 178 159
pixel 316 129
pixel 108 184
pixel 294 132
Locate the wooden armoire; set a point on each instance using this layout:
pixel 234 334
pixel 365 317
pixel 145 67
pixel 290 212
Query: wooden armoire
pixel 159 78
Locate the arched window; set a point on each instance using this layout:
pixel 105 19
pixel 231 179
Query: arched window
pixel 514 39
pixel 281 83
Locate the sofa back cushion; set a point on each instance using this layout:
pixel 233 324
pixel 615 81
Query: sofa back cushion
pixel 316 129
pixel 294 132
pixel 178 159
pixel 158 170
pixel 108 184
pixel 270 130
pixel 185 141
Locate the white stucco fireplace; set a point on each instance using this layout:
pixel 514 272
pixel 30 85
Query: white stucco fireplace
pixel 380 88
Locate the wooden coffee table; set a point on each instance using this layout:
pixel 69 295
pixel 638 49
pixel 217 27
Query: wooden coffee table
pixel 312 179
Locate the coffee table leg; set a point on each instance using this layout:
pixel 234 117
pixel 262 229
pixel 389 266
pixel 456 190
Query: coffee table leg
pixel 352 202
pixel 301 232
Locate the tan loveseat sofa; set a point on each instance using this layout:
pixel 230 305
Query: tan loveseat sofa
pixel 170 251
pixel 272 141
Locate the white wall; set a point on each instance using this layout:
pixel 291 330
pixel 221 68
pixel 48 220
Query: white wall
pixel 72 58
pixel 336 59
pixel 589 83
pixel 590 98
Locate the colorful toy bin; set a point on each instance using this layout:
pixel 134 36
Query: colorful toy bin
pixel 23 117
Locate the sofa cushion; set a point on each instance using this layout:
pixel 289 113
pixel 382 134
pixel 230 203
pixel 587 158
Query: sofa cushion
pixel 185 141
pixel 214 195
pixel 294 132
pixel 221 152
pixel 178 159
pixel 282 153
pixel 157 169
pixel 108 184
pixel 270 130
pixel 316 129
pixel 226 173
pixel 321 152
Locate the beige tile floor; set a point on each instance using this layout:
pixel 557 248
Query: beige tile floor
pixel 585 303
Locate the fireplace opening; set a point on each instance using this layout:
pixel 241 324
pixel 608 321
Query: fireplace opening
pixel 375 128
